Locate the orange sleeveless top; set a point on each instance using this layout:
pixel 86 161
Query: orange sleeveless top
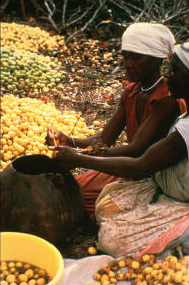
pixel 130 101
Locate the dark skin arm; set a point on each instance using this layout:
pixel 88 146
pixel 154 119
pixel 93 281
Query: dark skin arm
pixel 116 124
pixel 154 128
pixel 108 136
pixel 160 155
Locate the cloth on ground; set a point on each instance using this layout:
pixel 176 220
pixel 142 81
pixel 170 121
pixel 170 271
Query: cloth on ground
pixel 81 271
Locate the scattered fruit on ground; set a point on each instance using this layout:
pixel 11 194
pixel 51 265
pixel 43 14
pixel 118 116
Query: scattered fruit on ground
pixel 92 250
pixel 147 271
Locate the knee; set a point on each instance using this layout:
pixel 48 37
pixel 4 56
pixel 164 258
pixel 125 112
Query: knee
pixel 106 241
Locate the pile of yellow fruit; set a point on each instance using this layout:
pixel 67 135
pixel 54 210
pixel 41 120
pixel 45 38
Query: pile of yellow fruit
pixel 25 72
pixel 147 271
pixel 34 39
pixel 24 124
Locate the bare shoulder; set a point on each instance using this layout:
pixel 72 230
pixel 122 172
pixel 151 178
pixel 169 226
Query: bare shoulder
pixel 167 106
pixel 168 102
pixel 177 144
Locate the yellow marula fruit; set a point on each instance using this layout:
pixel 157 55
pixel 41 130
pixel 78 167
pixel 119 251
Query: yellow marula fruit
pixel 158 276
pixel 96 123
pixel 28 137
pixel 148 277
pixel 154 273
pixel 145 257
pixel 178 277
pixel 104 277
pixel 29 38
pixel 111 274
pixel 135 264
pixel 178 266
pixel 120 276
pixel 92 250
pixel 165 279
pixel 3 141
pixel 156 266
pixel 127 276
pixel 106 268
pixel 121 264
pixel 184 269
pixel 171 258
pixel 96 276
pixel 113 281
pixel 147 270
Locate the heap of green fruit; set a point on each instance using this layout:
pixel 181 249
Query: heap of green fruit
pixel 27 73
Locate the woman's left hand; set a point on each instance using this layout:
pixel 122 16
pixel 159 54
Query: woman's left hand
pixel 67 156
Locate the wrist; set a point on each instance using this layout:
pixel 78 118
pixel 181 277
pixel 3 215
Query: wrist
pixel 72 142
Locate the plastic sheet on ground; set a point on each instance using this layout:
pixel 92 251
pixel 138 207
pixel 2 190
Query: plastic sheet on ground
pixel 81 271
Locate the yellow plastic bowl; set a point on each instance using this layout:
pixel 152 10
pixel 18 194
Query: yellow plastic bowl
pixel 35 250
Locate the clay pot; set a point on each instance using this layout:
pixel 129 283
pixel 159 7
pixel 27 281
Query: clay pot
pixel 49 205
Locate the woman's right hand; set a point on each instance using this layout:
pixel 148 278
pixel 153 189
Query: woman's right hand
pixel 55 137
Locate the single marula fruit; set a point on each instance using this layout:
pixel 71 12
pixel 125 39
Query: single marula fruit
pixel 92 250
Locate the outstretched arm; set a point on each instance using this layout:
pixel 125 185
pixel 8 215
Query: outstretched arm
pixel 160 155
pixel 108 136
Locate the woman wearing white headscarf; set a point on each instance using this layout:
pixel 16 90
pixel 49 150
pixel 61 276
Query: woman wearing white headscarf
pixel 150 39
pixel 145 110
pixel 131 220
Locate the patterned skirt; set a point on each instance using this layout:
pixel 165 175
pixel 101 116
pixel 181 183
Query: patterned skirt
pixel 130 225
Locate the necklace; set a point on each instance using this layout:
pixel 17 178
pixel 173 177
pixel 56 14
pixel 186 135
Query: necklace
pixel 149 88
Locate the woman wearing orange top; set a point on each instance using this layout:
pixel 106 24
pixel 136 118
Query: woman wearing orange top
pixel 132 218
pixel 146 111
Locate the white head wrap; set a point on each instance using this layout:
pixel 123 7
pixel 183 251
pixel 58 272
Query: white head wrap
pixel 182 52
pixel 149 39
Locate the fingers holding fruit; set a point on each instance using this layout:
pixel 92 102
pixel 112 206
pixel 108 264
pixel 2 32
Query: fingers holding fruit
pixel 55 138
pixel 49 139
pixel 100 149
pixel 66 156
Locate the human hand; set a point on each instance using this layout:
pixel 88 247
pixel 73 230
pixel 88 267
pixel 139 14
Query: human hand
pixel 66 156
pixel 99 149
pixel 54 138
